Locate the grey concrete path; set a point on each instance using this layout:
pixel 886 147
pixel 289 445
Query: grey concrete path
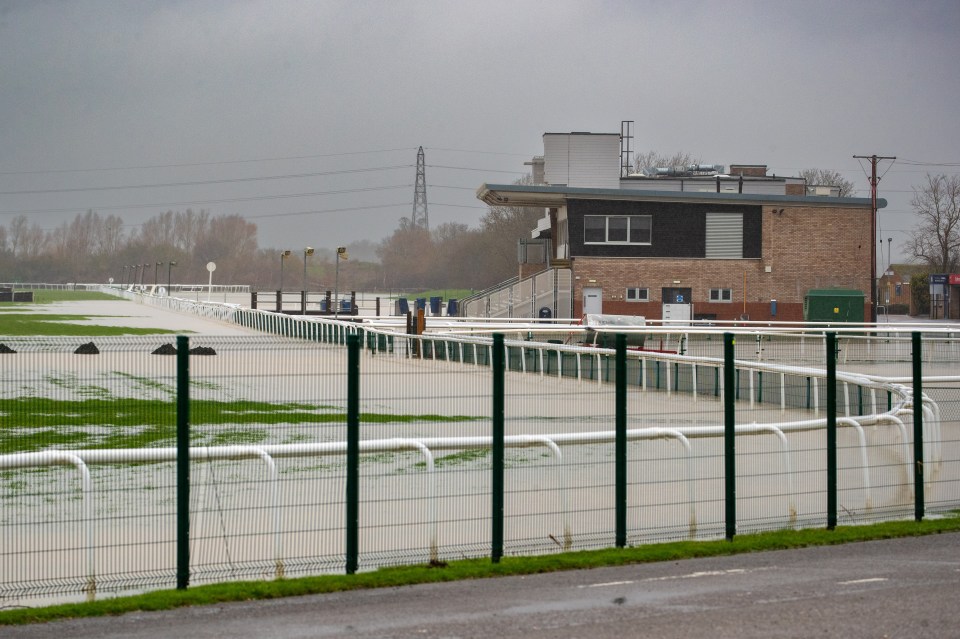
pixel 894 588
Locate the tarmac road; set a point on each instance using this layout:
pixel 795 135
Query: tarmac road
pixel 895 588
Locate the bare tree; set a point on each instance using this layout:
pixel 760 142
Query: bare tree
pixel 18 234
pixel 826 177
pixel 936 239
pixel 110 239
pixel 189 226
pixel 654 159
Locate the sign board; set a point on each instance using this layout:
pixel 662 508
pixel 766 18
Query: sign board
pixel 954 279
pixel 678 314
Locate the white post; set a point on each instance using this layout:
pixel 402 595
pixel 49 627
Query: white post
pixel 211 267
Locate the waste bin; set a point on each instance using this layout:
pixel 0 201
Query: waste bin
pixel 421 303
pixel 401 307
pixel 323 306
pixel 435 305
pixel 545 312
pixel 452 309
pixel 345 306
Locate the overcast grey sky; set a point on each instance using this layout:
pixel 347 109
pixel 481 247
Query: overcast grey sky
pixel 233 94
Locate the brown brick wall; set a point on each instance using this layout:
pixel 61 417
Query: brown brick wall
pixel 804 247
pixel 749 170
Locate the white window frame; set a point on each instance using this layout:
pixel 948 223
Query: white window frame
pixel 606 229
pixel 721 295
pixel 641 294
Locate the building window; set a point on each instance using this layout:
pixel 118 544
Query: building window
pixel 721 294
pixel 617 229
pixel 638 294
pixel 898 290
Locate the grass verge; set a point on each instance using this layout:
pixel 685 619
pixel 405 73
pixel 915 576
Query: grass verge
pixel 481 569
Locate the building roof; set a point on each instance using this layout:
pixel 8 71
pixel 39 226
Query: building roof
pixel 552 196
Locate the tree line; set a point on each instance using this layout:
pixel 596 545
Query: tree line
pixel 94 248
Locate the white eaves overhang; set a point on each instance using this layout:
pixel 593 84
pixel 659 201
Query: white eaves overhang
pixel 556 196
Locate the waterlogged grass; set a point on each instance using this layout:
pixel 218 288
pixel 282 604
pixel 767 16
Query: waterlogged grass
pixel 50 324
pixel 47 296
pixel 29 424
pixel 456 459
pixel 15 320
pixel 480 569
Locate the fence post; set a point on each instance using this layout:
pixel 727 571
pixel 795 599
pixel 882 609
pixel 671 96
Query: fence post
pixel 497 481
pixel 183 462
pixel 621 440
pixel 918 505
pixel 353 453
pixel 729 436
pixel 831 430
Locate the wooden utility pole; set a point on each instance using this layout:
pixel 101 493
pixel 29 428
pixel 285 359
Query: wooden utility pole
pixel 873 227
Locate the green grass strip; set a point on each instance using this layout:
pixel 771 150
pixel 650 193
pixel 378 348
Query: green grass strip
pixel 481 569
pixel 29 424
pixel 48 296
pixel 48 325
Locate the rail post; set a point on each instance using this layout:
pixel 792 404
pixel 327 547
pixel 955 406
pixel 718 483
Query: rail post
pixel 729 436
pixel 183 462
pixel 918 504
pixel 831 431
pixel 621 440
pixel 497 481
pixel 353 453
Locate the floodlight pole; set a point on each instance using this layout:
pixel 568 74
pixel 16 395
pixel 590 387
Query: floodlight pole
pixel 341 254
pixel 283 255
pixel 169 264
pixel 306 252
pixel 336 288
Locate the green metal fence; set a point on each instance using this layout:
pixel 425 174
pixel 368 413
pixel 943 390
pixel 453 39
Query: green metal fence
pixel 129 464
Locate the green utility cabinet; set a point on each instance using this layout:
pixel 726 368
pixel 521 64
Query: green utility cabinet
pixel 833 305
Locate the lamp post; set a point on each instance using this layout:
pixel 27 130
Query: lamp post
pixel 341 255
pixel 142 273
pixel 283 255
pixel 155 268
pixel 169 264
pixel 124 276
pixel 306 252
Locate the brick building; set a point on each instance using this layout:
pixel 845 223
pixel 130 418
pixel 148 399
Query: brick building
pixel 685 242
pixel 894 288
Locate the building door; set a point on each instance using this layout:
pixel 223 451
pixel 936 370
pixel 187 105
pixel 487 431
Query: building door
pixel 676 295
pixel 592 300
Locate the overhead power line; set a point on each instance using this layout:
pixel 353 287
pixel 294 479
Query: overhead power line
pixel 322 211
pixel 191 164
pixel 255 198
pixel 922 163
pixel 203 182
